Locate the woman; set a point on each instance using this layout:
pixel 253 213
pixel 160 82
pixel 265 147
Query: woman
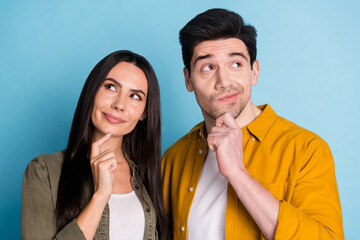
pixel 107 182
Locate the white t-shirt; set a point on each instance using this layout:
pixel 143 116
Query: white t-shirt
pixel 127 220
pixel 208 209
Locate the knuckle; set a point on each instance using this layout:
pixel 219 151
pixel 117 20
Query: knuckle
pixel 94 144
pixel 101 164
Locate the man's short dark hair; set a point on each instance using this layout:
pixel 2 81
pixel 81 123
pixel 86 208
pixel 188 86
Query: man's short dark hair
pixel 215 24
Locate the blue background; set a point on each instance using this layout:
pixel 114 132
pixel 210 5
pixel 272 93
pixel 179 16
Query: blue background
pixel 309 73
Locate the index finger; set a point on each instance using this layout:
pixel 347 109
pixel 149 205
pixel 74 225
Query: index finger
pixel 95 147
pixel 226 120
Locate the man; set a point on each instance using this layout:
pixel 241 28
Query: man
pixel 245 172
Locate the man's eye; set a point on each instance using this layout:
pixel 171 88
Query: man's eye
pixel 235 65
pixel 208 68
pixel 110 87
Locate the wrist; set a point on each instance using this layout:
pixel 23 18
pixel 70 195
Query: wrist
pixel 239 176
pixel 100 199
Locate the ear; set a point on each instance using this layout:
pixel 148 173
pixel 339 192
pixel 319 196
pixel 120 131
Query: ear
pixel 255 73
pixel 188 82
pixel 143 116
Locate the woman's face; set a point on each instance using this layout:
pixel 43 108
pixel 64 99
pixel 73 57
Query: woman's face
pixel 120 101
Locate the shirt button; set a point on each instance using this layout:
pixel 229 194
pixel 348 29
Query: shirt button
pixel 254 139
pixel 191 189
pixel 148 209
pixel 200 133
pixel 182 228
pixel 201 151
pixel 198 139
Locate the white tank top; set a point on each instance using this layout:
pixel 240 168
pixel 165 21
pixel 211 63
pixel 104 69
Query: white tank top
pixel 127 220
pixel 208 209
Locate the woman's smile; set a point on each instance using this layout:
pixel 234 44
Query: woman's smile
pixel 112 119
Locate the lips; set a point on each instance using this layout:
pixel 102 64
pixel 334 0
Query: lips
pixel 228 98
pixel 111 118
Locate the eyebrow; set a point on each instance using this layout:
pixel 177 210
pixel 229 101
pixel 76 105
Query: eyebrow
pixel 202 57
pixel 119 85
pixel 238 54
pixel 230 55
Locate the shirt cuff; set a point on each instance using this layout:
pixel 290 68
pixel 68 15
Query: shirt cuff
pixel 71 231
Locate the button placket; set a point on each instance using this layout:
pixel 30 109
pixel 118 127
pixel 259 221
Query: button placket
pixel 200 151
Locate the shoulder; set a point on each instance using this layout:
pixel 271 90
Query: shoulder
pixel 46 164
pixel 290 134
pixel 273 129
pixel 183 144
pixel 177 146
pixel 287 127
pixel 49 160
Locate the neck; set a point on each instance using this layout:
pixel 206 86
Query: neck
pixel 247 115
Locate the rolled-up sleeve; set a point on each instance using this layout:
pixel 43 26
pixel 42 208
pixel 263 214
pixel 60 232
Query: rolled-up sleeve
pixel 313 211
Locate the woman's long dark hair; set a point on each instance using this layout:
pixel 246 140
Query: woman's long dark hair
pixel 142 145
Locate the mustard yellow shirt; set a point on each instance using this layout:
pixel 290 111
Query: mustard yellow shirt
pixel 294 164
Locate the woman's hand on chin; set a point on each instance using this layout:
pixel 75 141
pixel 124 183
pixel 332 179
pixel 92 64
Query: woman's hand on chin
pixel 103 163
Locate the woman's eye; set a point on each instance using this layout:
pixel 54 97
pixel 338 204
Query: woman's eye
pixel 135 96
pixel 110 87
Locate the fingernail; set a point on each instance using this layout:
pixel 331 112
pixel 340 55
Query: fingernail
pixel 109 134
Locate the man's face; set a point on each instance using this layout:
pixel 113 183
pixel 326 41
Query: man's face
pixel 221 77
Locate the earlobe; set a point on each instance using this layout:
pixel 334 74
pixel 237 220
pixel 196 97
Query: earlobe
pixel 188 83
pixel 255 72
pixel 143 116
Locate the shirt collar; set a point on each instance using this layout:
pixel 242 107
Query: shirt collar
pixel 199 128
pixel 262 124
pixel 133 167
pixel 259 127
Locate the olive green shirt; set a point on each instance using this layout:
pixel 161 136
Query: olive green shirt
pixel 38 201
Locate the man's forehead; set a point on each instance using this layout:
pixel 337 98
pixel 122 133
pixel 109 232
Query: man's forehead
pixel 220 47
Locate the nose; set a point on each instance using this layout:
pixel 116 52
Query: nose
pixel 222 79
pixel 119 103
